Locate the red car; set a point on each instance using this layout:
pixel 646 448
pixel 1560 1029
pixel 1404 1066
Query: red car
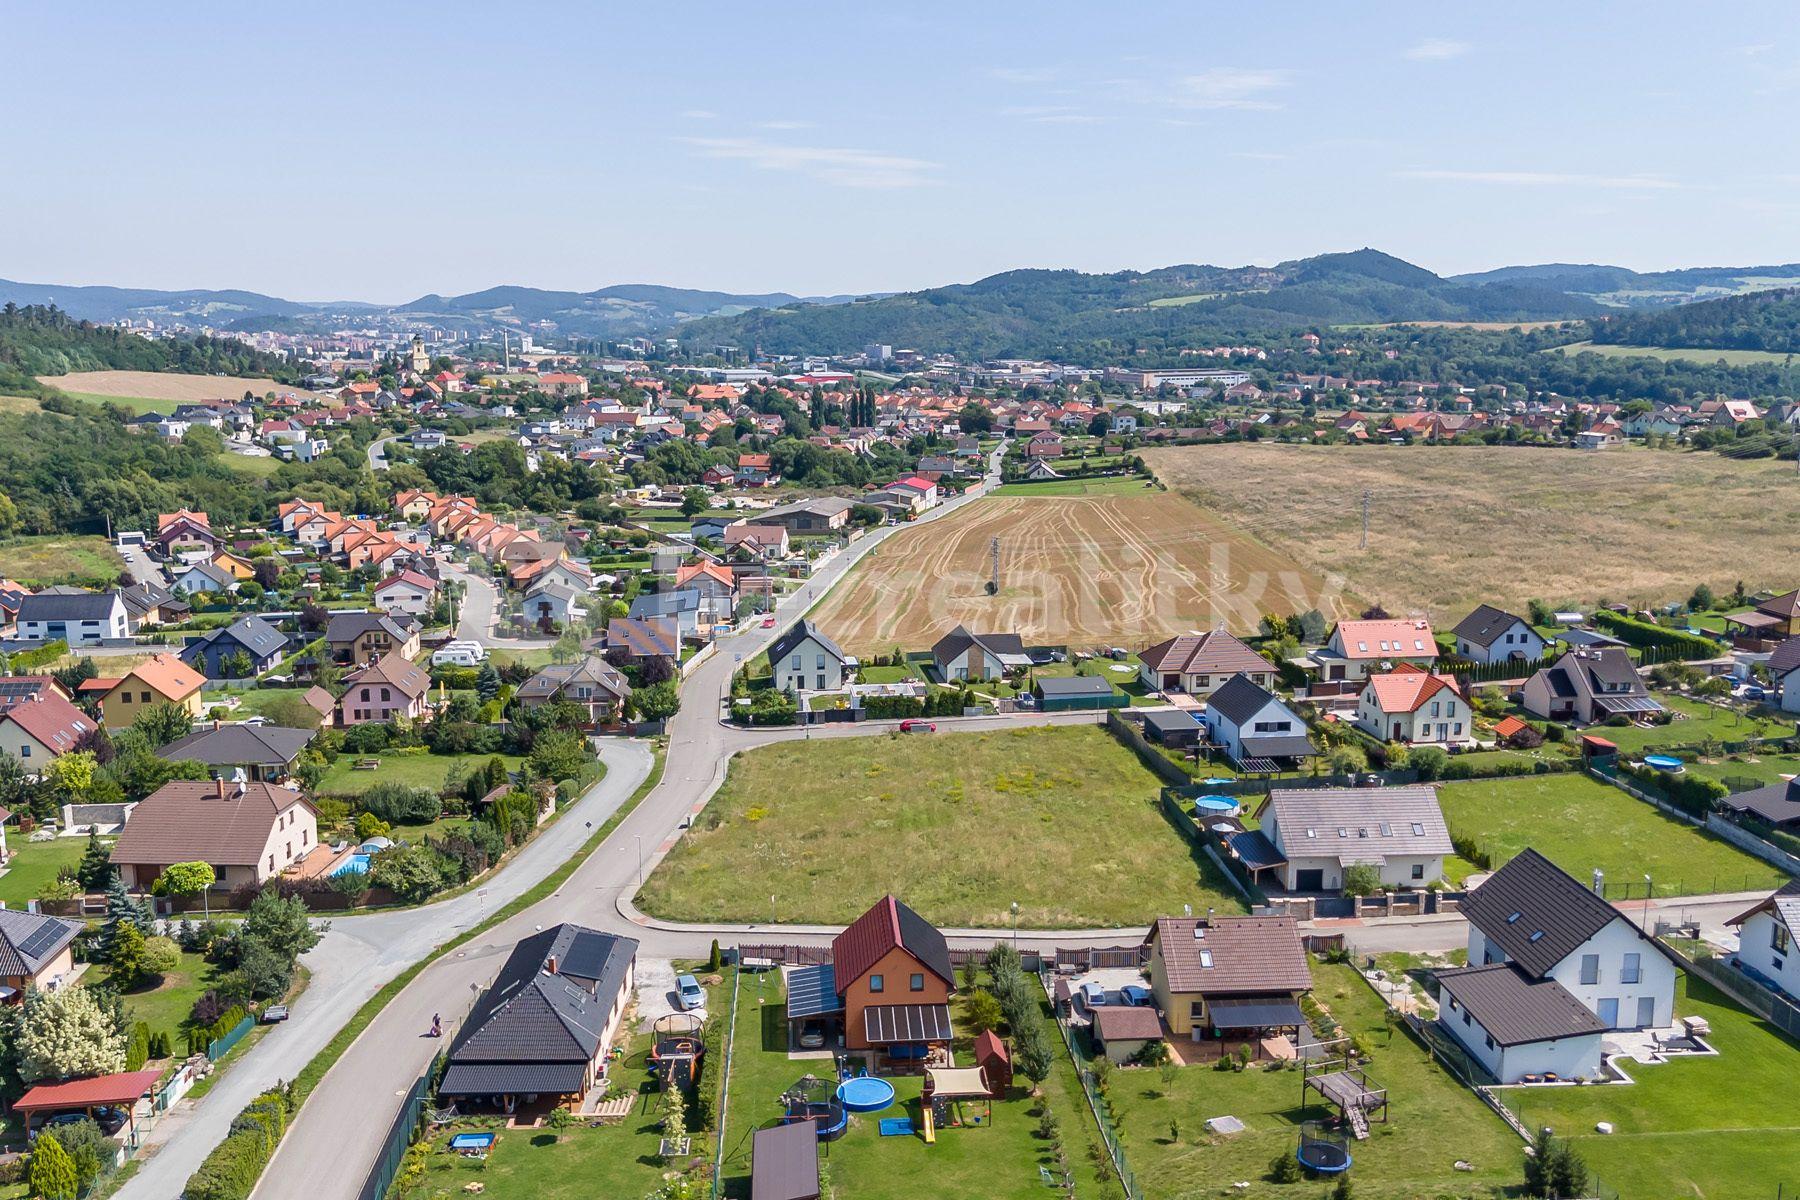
pixel 769 622
pixel 911 726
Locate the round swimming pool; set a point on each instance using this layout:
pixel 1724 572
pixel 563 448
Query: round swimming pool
pixel 1663 762
pixel 1216 804
pixel 865 1093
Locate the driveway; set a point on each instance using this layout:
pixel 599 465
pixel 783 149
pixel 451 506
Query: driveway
pixel 378 451
pixel 480 606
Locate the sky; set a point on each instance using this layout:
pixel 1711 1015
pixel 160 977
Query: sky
pixel 380 151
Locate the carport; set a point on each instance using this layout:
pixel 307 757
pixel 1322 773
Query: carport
pixel 122 1090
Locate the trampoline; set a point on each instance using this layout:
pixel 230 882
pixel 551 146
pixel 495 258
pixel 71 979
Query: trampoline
pixel 810 1099
pixel 1322 1149
pixel 865 1093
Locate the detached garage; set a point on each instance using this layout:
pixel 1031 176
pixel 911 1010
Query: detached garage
pixel 1069 694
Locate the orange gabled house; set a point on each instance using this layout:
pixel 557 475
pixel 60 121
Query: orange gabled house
pixel 890 979
pixel 164 679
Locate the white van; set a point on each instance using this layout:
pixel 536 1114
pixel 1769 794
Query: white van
pixel 459 654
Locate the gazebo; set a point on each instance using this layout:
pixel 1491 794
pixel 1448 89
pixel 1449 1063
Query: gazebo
pixel 122 1090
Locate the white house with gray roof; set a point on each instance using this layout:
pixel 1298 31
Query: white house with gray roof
pixel 1767 935
pixel 1254 728
pixel 1491 635
pixel 803 659
pixel 1320 832
pixel 79 618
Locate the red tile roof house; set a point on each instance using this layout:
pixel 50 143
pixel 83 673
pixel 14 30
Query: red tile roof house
pixel 1357 649
pixel 406 592
pixel 390 688
pixel 249 832
pixel 1198 663
pixel 1416 707
pixel 43 728
pixel 890 983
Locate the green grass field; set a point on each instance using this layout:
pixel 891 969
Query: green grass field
pixel 59 556
pixel 414 770
pixel 166 1004
pixel 260 466
pixel 1581 824
pixel 35 865
pixel 1742 772
pixel 1105 485
pixel 1702 721
pixel 1735 358
pixel 1433 1120
pixel 1062 820
pixel 1699 1127
pixel 1182 301
pixel 136 404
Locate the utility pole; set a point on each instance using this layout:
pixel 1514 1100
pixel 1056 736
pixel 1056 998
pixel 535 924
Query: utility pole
pixel 994 557
pixel 1365 529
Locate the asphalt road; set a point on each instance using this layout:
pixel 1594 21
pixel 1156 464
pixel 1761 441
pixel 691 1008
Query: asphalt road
pixel 377 451
pixel 479 611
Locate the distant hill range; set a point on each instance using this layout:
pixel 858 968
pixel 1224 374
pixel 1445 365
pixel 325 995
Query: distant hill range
pixel 1767 321
pixel 618 311
pixel 1037 313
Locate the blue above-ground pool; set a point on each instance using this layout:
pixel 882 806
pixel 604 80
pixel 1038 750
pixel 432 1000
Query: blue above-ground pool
pixel 1216 806
pixel 1663 762
pixel 865 1093
pixel 472 1141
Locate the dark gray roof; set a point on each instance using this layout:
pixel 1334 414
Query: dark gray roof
pixel 68 606
pixel 348 626
pixel 1536 912
pixel 666 604
pixel 1785 657
pixel 1281 745
pixel 798 632
pixel 1777 803
pixel 1516 1009
pixel 1074 685
pixel 960 639
pixel 1170 720
pixel 1484 625
pixel 512 1078
pixel 784 1162
pixel 1374 821
pixel 533 1017
pixel 1239 698
pixel 240 745
pixel 29 940
pixel 259 638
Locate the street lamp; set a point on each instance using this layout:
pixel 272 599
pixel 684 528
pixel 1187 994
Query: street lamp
pixel 1648 887
pixel 640 845
pixel 1015 916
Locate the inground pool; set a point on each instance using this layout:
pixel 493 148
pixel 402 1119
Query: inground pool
pixel 356 862
pixel 473 1141
pixel 865 1093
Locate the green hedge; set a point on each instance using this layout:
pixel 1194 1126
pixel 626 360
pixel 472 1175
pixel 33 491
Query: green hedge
pixel 1690 793
pixel 231 1171
pixel 1642 633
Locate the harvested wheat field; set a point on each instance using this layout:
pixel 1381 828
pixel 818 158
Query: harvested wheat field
pixel 160 385
pixel 1126 567
pixel 1453 526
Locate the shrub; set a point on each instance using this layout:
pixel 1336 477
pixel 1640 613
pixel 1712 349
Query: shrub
pixel 397 804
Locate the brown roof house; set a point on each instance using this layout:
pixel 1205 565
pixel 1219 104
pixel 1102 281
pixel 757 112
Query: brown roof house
pixel 1197 663
pixel 1227 977
pixel 887 987
pixel 359 638
pixel 165 679
pixel 248 832
pixel 35 951
pixel 593 683
pixel 1586 687
pixel 388 689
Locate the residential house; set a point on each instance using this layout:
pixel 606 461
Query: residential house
pixel 264 753
pixel 556 603
pixel 1415 707
pixel 1586 687
pixel 756 470
pixel 636 640
pixel 150 604
pixel 235 565
pixel 79 618
pixel 1776 804
pixel 1772 619
pixel 17 689
pixel 406 593
pixel 591 682
pixel 1766 937
pixel 1254 728
pixel 42 728
pixel 164 679
pixel 561 571
pixel 250 643
pixel 1357 648
pixel 767 542
pixel 248 832
pixel 682 607
pixel 823 515
pixel 1552 967
pixel 390 688
pixel 1784 673
pixel 912 494
pixel 358 638
pixel 184 532
pixel 960 655
pixel 1199 663
pixel 717 587
pixel 203 578
pixel 803 659
pixel 1490 635
pixel 544 1027
pixel 887 987
pixel 1228 977
pixel 1320 832
pixel 36 951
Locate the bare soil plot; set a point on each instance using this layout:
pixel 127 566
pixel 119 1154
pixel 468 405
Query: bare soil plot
pixel 1084 571
pixel 159 385
pixel 1453 526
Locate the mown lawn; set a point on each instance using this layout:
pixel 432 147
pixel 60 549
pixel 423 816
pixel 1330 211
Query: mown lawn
pixel 1701 1127
pixel 35 865
pixel 1702 721
pixel 1743 772
pixel 1581 824
pixel 165 1005
pixel 1062 820
pixel 55 557
pixel 342 778
pixel 996 1162
pixel 1433 1121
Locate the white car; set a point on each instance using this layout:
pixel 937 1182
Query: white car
pixel 459 654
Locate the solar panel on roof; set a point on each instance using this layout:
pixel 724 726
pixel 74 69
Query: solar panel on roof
pixel 40 941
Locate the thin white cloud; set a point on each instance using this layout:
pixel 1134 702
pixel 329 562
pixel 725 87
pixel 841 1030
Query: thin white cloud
pixel 1022 74
pixel 1654 183
pixel 786 125
pixel 1049 114
pixel 841 167
pixel 699 114
pixel 1261 155
pixel 1436 50
pixel 1229 87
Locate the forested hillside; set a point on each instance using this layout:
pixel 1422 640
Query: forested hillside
pixel 1136 316
pixel 37 340
pixel 1758 321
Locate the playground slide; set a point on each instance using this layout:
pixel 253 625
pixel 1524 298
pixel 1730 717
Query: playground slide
pixel 930 1130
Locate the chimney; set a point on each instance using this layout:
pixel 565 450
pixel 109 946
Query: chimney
pixel 550 964
pixel 216 724
pixel 219 784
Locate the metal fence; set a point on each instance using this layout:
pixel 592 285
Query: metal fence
pixel 718 1180
pixel 401 1135
pixel 219 1047
pixel 1776 1009
pixel 1101 1109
